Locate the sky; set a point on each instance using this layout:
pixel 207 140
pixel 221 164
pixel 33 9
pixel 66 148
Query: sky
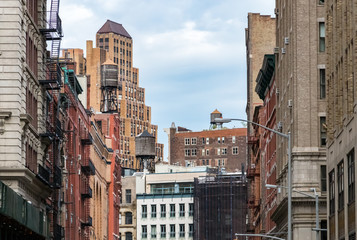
pixel 190 53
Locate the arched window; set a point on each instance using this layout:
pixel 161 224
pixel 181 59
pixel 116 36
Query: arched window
pixel 128 218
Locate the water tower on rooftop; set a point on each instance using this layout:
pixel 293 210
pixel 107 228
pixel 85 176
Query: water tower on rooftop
pixel 215 114
pixel 145 151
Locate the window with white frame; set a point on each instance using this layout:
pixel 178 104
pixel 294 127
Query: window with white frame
pixel 187 141
pixel 235 150
pixel 234 139
pixel 222 139
pixel 207 152
pixel 193 141
pixel 203 152
pixel 194 152
pixel 187 152
pixel 219 140
pixel 224 151
pixel 218 151
pixel 207 140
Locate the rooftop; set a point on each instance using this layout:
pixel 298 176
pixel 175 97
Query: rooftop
pixel 113 27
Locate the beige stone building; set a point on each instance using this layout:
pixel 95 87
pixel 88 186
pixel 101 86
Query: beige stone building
pixel 341 122
pixel 301 110
pixel 114 46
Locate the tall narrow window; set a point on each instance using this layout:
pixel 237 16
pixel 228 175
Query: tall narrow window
pixel 172 210
pixel 153 211
pixel 128 218
pixel 172 231
pixel 182 230
pixel 182 209
pixel 322 36
pixel 323 178
pixel 144 231
pixel 153 231
pixel 331 181
pixel 128 195
pixel 322 83
pixel 351 175
pixel 190 211
pixel 163 231
pixel 323 131
pixel 163 210
pixel 190 233
pixel 144 211
pixel 340 185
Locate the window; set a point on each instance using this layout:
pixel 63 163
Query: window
pixel 194 152
pixel 187 152
pixel 234 139
pixel 323 178
pixel 203 141
pixel 190 233
pixel 153 231
pixel 219 162
pixel 172 231
pixel 119 219
pixel 351 176
pixel 153 211
pixel 187 141
pixel 323 131
pixel 144 211
pixel 322 83
pixel 128 236
pixel 106 39
pixel 128 218
pixel 128 195
pixel 207 140
pixel 101 40
pixel 182 209
pixel 190 209
pixel 203 152
pixel 219 140
pixel 235 150
pixel 321 2
pixel 182 230
pixel 207 152
pixel 172 210
pixel 144 231
pixel 224 151
pixel 323 225
pixel 203 162
pixel 322 36
pixel 331 179
pixel 163 231
pixel 218 151
pixel 340 186
pixel 194 141
pixel 163 210
pixel 222 139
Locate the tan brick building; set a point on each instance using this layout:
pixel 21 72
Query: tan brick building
pixel 221 148
pixel 341 121
pixel 114 46
pixel 301 110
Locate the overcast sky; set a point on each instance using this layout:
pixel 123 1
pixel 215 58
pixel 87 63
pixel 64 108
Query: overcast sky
pixel 190 53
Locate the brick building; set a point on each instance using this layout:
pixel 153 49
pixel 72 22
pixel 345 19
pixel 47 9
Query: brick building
pixel 341 118
pixel 262 169
pixel 221 148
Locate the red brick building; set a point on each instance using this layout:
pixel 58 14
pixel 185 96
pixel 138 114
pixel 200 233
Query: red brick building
pixel 221 148
pixel 262 201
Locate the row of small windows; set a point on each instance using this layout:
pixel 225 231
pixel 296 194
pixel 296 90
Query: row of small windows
pixel 193 141
pixel 163 231
pixel 163 213
pixel 115 41
pixel 206 152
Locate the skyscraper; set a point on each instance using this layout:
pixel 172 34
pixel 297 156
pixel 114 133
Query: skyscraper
pixel 113 52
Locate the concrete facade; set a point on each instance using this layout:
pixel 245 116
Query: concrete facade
pixel 341 118
pixel 301 110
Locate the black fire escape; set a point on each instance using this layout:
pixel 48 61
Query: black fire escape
pixel 53 135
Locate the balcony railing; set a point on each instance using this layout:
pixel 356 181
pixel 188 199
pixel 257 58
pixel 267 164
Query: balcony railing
pixel 44 174
pixel 87 165
pixel 53 29
pixel 53 78
pixel 58 232
pixel 87 192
